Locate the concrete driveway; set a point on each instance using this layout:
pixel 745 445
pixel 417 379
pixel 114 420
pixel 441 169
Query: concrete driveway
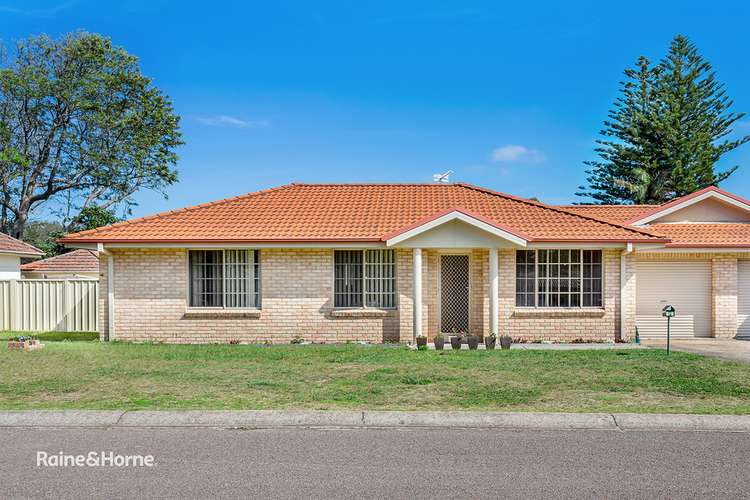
pixel 729 349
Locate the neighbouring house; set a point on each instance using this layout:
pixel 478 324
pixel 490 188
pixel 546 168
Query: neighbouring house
pixel 11 252
pixel 371 262
pixel 77 264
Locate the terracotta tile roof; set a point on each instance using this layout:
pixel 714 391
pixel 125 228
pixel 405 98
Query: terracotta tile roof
pixel 12 245
pixel 352 212
pixel 705 235
pixel 80 260
pixel 614 213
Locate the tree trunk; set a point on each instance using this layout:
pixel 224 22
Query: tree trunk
pixel 19 224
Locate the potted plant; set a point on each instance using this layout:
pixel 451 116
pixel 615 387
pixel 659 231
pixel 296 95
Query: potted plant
pixel 505 341
pixel 439 342
pixel 421 342
pixel 489 341
pixel 473 342
pixel 25 343
pixel 457 340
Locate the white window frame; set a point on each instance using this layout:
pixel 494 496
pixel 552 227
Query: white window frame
pixel 364 280
pixel 536 280
pixel 256 290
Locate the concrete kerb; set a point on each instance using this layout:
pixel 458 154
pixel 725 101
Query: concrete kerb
pixel 258 419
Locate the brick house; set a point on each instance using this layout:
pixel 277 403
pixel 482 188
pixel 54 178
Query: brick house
pixel 387 262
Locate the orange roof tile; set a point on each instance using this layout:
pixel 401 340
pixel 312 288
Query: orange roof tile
pixel 81 260
pixel 12 245
pixel 614 213
pixel 735 235
pixel 353 212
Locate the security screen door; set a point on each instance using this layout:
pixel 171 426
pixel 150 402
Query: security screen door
pixel 454 293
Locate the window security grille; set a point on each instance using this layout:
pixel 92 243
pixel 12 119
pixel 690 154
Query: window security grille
pixel 364 277
pixel 559 278
pixel 224 278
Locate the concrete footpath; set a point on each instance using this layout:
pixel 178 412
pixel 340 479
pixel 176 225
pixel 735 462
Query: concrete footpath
pixel 263 419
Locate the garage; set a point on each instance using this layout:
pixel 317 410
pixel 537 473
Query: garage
pixel 743 299
pixel 684 285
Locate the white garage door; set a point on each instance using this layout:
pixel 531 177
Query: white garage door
pixel 684 285
pixel 743 299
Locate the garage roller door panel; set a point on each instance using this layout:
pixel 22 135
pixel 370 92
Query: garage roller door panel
pixel 684 285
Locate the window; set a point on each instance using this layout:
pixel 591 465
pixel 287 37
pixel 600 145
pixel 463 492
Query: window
pixel 559 278
pixel 224 278
pixel 364 278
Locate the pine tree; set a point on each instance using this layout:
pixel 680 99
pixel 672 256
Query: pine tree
pixel 666 132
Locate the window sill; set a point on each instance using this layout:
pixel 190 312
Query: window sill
pixel 221 313
pixel 360 313
pixel 558 312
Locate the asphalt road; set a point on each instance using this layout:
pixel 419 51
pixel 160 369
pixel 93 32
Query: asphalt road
pixel 400 463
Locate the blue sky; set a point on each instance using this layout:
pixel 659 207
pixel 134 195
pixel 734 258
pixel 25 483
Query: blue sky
pixel 510 96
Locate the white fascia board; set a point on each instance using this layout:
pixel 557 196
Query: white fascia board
pixel 687 203
pixel 206 245
pixel 574 246
pixel 455 215
pixel 87 246
pixel 696 250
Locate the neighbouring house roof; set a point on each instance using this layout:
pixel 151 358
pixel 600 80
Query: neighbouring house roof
pixel 77 261
pixel 9 245
pixel 728 235
pixel 355 213
pixel 682 235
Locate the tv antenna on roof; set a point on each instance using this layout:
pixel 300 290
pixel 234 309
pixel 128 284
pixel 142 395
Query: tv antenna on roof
pixel 444 177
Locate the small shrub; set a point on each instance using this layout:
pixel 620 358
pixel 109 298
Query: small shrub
pixel 234 341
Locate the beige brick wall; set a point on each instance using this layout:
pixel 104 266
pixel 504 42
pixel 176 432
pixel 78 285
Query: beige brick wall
pixel 151 294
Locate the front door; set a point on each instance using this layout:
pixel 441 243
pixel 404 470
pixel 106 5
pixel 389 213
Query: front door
pixel 454 293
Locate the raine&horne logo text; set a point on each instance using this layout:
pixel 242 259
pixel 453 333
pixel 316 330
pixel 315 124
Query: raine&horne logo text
pixel 93 459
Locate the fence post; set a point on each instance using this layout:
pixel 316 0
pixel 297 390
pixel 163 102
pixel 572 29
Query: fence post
pixel 14 304
pixel 66 305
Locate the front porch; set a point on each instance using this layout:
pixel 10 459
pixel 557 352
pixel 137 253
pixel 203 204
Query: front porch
pixel 457 274
pixel 455 291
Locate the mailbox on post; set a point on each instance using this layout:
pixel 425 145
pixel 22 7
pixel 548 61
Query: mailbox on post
pixel 668 312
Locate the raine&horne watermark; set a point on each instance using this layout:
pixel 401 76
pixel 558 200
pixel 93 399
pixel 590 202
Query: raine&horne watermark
pixel 93 459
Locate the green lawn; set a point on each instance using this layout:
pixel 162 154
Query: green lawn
pixel 95 375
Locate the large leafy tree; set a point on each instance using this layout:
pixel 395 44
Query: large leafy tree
pixel 78 121
pixel 666 132
pixel 44 234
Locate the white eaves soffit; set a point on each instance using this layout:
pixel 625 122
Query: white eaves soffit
pixel 456 230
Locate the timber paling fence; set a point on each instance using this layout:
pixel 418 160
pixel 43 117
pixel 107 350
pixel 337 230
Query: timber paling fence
pixel 49 305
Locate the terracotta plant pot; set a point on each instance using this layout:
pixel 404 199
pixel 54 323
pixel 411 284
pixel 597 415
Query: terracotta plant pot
pixel 489 342
pixel 456 342
pixel 421 341
pixel 505 342
pixel 439 343
pixel 473 342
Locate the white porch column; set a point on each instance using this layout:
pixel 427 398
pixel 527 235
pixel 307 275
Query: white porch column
pixel 417 292
pixel 494 313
